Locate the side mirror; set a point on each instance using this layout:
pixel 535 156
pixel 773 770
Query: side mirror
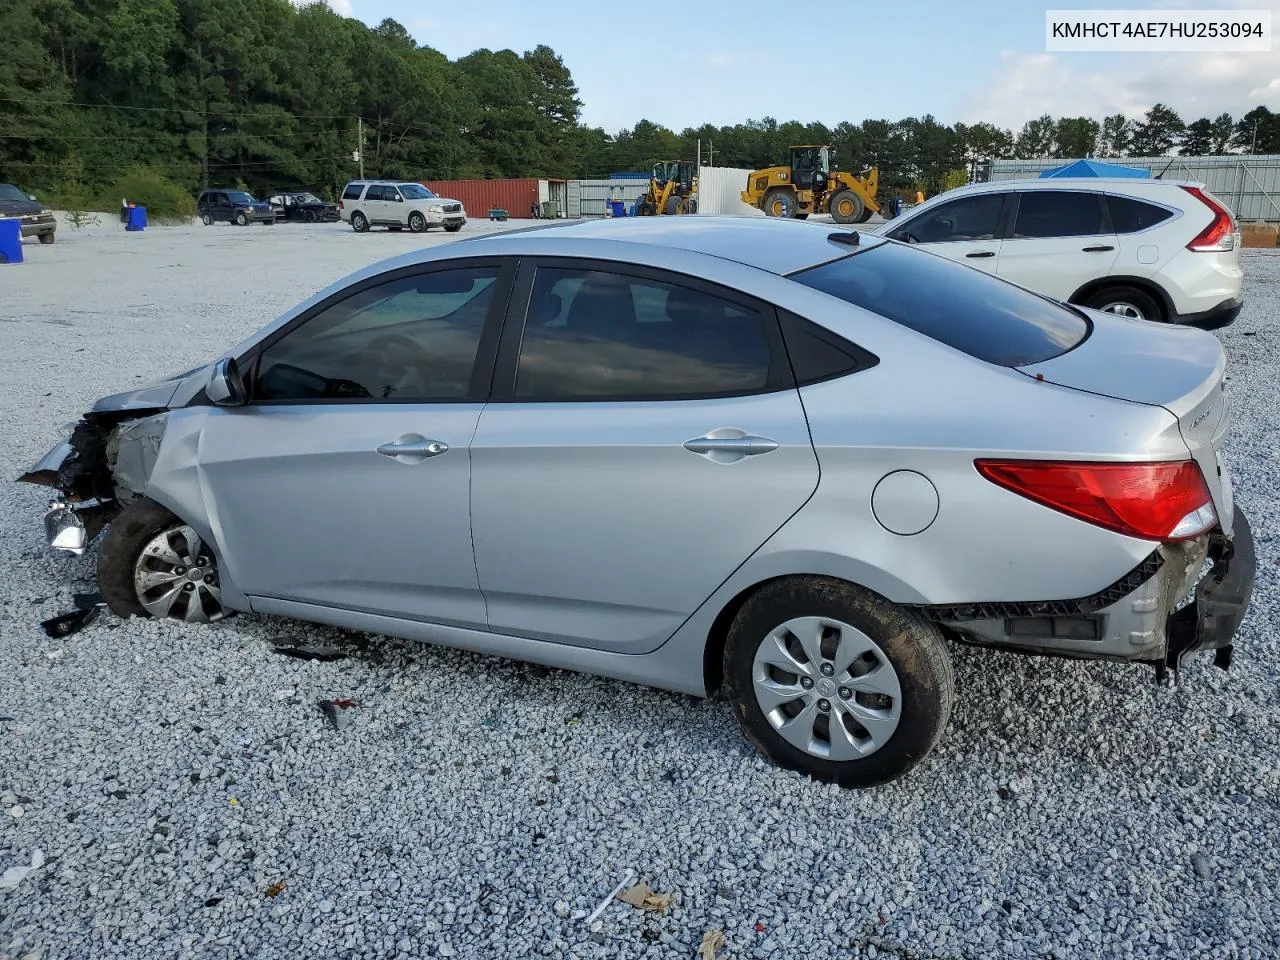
pixel 31 196
pixel 226 387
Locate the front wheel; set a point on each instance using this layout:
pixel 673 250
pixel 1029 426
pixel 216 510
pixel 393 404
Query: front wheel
pixel 452 227
pixel 359 223
pixel 241 220
pixel 417 222
pixel 151 564
pixel 836 683
pixel 846 206
pixel 46 238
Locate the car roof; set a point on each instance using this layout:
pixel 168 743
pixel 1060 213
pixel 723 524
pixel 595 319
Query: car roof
pixel 769 244
pixel 1123 184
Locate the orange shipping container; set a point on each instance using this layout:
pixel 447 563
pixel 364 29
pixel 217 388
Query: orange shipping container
pixel 478 197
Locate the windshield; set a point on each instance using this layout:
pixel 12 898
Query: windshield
pixel 415 191
pixel 964 308
pixel 238 197
pixel 9 192
pixel 305 198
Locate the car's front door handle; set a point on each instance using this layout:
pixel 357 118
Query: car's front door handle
pixel 980 254
pixel 732 446
pixel 1097 248
pixel 412 448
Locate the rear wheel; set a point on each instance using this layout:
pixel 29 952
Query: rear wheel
pixel 417 222
pixel 780 202
pixel 836 683
pixel 359 223
pixel 206 219
pixel 151 564
pixel 1126 302
pixel 846 206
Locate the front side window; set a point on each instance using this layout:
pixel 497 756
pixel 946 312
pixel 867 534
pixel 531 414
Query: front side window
pixel 415 191
pixel 968 218
pixel 1058 213
pixel 969 310
pixel 592 334
pixel 413 338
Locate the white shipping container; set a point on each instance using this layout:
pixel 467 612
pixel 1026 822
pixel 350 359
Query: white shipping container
pixel 719 192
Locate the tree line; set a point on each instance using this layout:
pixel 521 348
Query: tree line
pixel 99 95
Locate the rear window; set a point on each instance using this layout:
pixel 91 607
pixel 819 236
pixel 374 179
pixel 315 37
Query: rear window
pixel 353 191
pixel 964 308
pixel 1129 215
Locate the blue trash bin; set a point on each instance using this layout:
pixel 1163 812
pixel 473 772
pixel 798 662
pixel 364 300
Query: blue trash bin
pixel 137 218
pixel 10 241
pixel 619 207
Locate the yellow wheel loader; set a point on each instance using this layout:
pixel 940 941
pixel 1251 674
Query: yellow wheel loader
pixel 672 189
pixel 811 184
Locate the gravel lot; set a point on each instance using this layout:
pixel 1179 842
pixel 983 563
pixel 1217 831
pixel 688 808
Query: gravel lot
pixel 170 775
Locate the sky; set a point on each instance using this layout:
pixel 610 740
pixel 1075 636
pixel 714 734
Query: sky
pixel 725 61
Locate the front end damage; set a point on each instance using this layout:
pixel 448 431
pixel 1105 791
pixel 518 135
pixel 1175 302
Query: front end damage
pixel 96 470
pixel 1184 598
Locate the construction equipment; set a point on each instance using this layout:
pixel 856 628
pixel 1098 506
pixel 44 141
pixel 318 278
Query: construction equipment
pixel 673 189
pixel 812 184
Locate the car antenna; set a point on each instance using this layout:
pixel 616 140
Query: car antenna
pixel 851 237
pixel 1161 174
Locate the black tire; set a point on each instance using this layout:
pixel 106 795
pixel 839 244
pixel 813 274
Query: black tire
pixel 676 206
pixel 241 220
pixel 452 227
pixel 1126 301
pixel 417 222
pixel 206 219
pixel 308 216
pixel 913 646
pixel 780 202
pixel 359 223
pixel 846 206
pixel 46 238
pixel 865 215
pixel 123 545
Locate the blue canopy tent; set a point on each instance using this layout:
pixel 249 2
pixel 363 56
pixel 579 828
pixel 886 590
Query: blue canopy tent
pixel 1095 168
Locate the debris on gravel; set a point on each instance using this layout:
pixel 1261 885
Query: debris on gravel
pixel 168 787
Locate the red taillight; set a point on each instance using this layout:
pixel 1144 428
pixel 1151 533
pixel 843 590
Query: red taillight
pixel 1153 501
pixel 341 205
pixel 1220 235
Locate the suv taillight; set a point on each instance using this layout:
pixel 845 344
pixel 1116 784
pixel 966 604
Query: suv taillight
pixel 1166 500
pixel 1220 235
pixel 341 205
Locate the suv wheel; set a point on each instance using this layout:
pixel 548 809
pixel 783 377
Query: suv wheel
pixel 206 219
pixel 1126 302
pixel 241 220
pixel 834 682
pixel 358 222
pixel 417 222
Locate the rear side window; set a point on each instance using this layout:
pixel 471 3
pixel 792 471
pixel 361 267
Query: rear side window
pixel 352 192
pixel 1058 213
pixel 817 354
pixel 976 313
pixel 1129 215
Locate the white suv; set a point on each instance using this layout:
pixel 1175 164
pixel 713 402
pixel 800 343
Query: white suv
pixel 1155 249
pixel 398 204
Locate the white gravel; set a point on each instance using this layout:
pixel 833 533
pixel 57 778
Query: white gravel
pixel 473 807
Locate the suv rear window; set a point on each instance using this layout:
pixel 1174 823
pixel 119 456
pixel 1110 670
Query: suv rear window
pixel 983 316
pixel 352 192
pixel 1129 215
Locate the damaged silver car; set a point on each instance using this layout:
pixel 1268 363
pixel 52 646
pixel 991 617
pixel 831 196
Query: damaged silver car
pixel 689 452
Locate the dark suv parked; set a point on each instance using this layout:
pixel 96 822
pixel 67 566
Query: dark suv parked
pixel 303 206
pixel 37 219
pixel 233 206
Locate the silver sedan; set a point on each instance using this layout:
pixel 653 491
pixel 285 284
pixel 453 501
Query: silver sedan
pixel 689 452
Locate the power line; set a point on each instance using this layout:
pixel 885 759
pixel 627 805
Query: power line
pixel 204 113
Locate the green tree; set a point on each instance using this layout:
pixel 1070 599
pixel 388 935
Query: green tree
pixel 1036 138
pixel 1076 137
pixel 1157 132
pixel 1224 129
pixel 1116 136
pixel 1198 140
pixel 1258 131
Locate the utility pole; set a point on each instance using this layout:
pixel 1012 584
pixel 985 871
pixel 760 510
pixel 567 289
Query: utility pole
pixel 1253 148
pixel 711 153
pixel 360 143
pixel 699 153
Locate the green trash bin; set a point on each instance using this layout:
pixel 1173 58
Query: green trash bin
pixel 550 210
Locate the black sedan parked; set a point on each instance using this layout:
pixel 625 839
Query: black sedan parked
pixel 234 206
pixel 303 206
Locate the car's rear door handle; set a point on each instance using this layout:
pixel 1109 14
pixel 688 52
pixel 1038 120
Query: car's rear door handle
pixel 1097 248
pixel 728 449
pixel 412 448
pixel 980 254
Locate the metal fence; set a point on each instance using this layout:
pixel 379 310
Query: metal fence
pixel 1249 185
pixel 590 198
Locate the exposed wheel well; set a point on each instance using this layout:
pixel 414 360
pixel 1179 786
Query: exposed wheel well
pixel 713 650
pixel 1153 290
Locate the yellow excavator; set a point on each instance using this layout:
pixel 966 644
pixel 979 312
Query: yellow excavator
pixel 673 189
pixel 811 184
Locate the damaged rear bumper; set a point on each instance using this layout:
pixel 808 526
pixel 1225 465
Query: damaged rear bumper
pixel 1164 610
